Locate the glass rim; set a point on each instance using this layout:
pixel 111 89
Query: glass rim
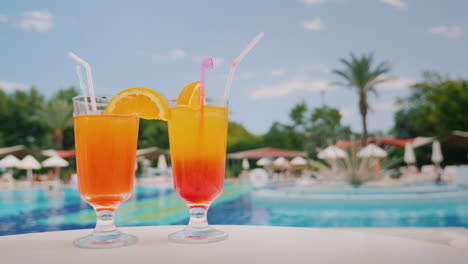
pixel 78 97
pixel 216 99
pixel 219 97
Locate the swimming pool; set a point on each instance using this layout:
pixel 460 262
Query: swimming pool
pixel 34 210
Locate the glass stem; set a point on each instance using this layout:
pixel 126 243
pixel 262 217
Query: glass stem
pixel 198 217
pixel 105 226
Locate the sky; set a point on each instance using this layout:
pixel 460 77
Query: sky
pixel 160 44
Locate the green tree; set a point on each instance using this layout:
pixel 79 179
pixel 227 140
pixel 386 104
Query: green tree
pixel 283 136
pixel 435 107
pixel 324 129
pixel 68 133
pixel 66 94
pixel 359 73
pixel 153 133
pixel 240 138
pixel 16 110
pixel 326 117
pixel 57 116
pixel 289 136
pixel 298 114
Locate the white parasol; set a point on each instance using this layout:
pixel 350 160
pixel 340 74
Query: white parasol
pixel 421 141
pixel 55 162
pixel 245 164
pixel 437 157
pixel 264 162
pixel 162 163
pixel 372 150
pixel 298 161
pixel 409 156
pixel 29 163
pixel 10 161
pixel 280 162
pixel 332 152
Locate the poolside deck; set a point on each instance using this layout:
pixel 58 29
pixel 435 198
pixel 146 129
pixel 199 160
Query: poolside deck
pixel 250 244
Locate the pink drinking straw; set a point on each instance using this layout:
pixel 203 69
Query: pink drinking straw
pixel 206 63
pixel 234 64
pixel 89 78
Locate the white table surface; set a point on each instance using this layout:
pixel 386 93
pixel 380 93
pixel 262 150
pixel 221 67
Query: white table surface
pixel 249 244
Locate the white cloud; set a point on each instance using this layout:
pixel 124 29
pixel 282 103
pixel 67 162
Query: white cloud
pixel 11 86
pixel 277 72
pixel 217 61
pixel 314 25
pixel 400 83
pixel 396 3
pixel 347 112
pixel 3 19
pixel 387 106
pixel 314 2
pixel 315 68
pixel 178 53
pixel 450 32
pixel 39 21
pixel 300 83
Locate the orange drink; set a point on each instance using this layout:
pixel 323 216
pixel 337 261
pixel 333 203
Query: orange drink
pixel 198 150
pixel 197 137
pixel 106 136
pixel 105 153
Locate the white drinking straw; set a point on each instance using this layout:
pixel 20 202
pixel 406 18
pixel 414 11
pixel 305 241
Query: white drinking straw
pixel 83 88
pixel 89 78
pixel 234 64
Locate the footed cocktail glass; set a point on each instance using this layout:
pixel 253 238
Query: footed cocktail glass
pixel 197 137
pixel 105 148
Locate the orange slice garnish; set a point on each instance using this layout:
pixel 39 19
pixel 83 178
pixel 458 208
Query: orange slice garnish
pixel 143 102
pixel 190 94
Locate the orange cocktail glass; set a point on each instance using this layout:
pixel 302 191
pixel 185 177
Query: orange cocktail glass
pixel 198 136
pixel 105 148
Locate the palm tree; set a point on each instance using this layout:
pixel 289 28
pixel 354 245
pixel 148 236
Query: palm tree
pixel 57 115
pixel 359 73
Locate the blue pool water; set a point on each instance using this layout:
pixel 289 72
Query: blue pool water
pixel 26 211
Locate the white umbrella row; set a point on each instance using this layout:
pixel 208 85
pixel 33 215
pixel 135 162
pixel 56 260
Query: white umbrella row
pixel 333 152
pixel 436 157
pixel 30 163
pixel 279 162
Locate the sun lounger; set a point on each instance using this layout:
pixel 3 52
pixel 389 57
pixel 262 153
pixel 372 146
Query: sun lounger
pixel 449 174
pixel 429 173
pixel 7 181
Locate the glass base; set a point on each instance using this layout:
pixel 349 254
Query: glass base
pixel 110 241
pixel 194 236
